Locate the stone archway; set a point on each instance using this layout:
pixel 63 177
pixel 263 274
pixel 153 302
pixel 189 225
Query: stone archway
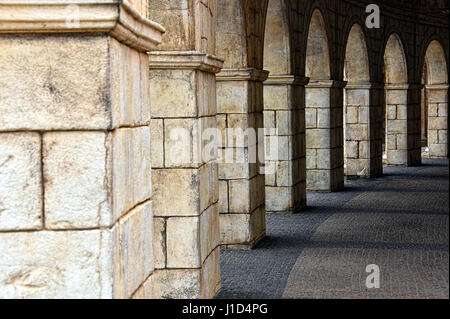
pixel 323 114
pixel 240 37
pixel 396 80
pixel 283 112
pixel 360 158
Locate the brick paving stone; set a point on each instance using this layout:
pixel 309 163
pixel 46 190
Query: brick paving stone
pixel 398 221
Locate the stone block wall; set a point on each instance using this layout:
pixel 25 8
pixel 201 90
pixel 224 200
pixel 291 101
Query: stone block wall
pixel 357 134
pixel 363 139
pixel 241 185
pixel 75 166
pixel 397 125
pixel 437 96
pixel 324 135
pixel 184 152
pixel 80 150
pixel 76 214
pixel 285 175
pixel 185 184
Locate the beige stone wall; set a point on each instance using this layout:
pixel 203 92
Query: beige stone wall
pixel 240 38
pixel 357 131
pixel 403 125
pixel 284 111
pixel 323 113
pixel 241 184
pixel 284 114
pixel 397 125
pixel 80 151
pixel 190 24
pixel 324 136
pixel 362 111
pixel 76 218
pixel 186 190
pixel 76 210
pixel 437 96
pixel 141 6
pixel 185 178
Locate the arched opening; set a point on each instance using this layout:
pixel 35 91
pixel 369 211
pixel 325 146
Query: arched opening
pixel 317 52
pixel 395 139
pixel 356 105
pixel 277 57
pixel 434 103
pixel 356 68
pixel 396 71
pixel 323 114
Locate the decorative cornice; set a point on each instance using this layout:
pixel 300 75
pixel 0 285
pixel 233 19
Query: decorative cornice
pixel 326 84
pixel 286 80
pixel 195 60
pixel 436 86
pixel 402 86
pixel 114 17
pixel 363 85
pixel 250 74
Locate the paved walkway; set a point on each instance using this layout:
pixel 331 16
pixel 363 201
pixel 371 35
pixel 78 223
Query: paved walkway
pixel 398 222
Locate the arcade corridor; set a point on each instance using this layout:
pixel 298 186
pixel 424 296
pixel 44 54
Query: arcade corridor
pixel 398 222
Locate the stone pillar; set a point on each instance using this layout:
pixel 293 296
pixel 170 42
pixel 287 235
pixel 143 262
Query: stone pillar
pixel 403 124
pixel 184 151
pixel 284 110
pixel 324 135
pixel 363 156
pixel 437 97
pixel 76 213
pixel 241 183
pixel 185 180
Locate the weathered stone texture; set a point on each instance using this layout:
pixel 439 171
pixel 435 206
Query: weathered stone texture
pixel 76 180
pixel 48 264
pixel 54 82
pixel 103 197
pixel 21 181
pixel 76 217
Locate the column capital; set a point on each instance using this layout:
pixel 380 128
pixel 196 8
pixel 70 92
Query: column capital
pixel 400 86
pixel 286 80
pixel 364 85
pixel 326 84
pixel 114 17
pixel 195 60
pixel 436 86
pixel 244 74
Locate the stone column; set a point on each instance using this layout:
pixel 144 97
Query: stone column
pixel 284 110
pixel 437 97
pixel 403 124
pixel 184 151
pixel 241 183
pixel 75 193
pixel 185 180
pixel 324 135
pixel 363 155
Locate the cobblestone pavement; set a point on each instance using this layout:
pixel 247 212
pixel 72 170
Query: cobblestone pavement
pixel 398 222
